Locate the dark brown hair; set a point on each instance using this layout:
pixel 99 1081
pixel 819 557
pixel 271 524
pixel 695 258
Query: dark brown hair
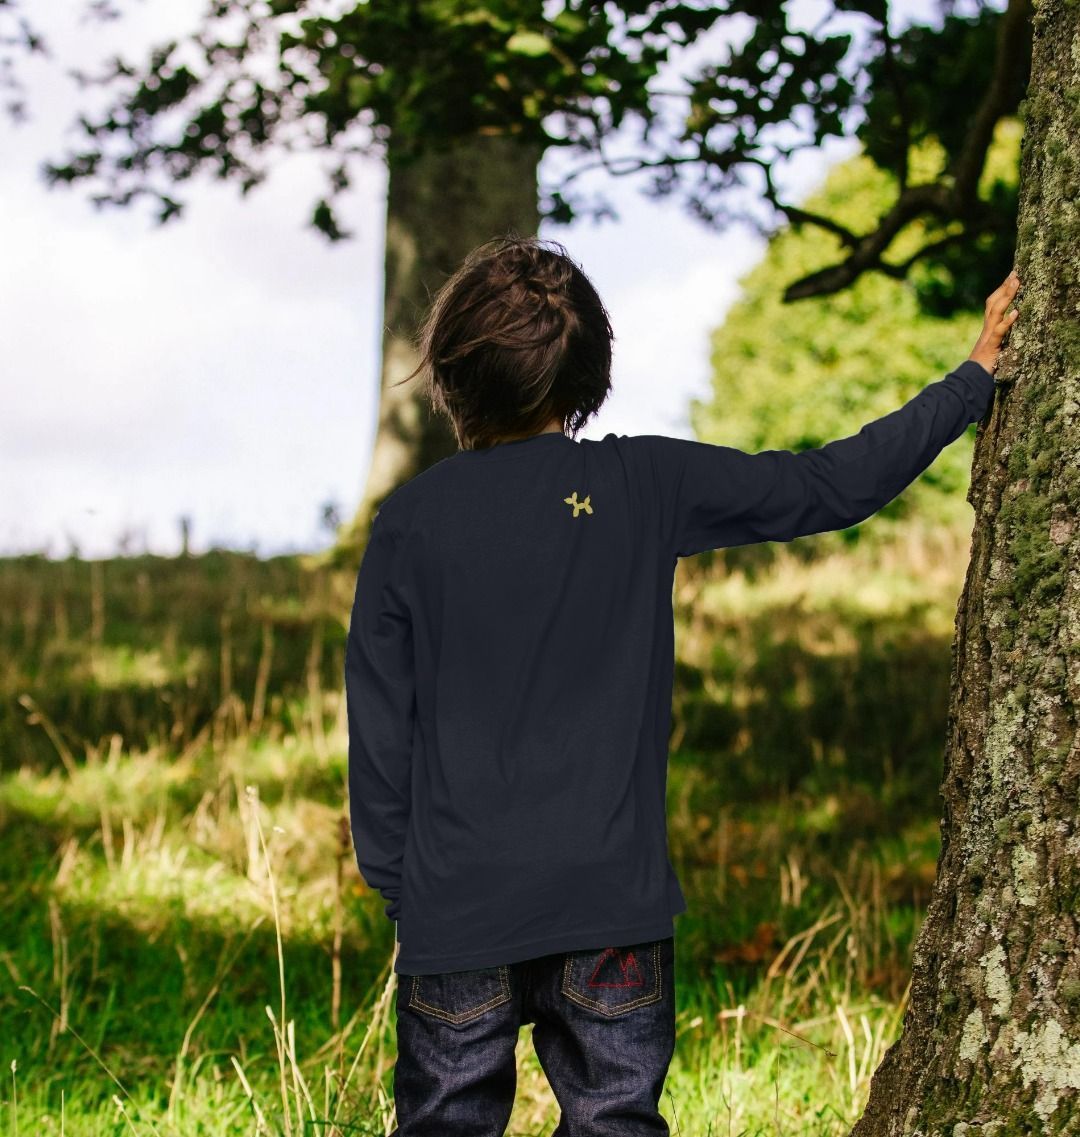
pixel 515 337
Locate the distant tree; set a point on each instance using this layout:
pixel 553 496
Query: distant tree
pixel 463 98
pixel 185 536
pixel 330 516
pixel 798 375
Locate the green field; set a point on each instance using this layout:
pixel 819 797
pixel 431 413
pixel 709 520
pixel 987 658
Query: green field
pixel 186 946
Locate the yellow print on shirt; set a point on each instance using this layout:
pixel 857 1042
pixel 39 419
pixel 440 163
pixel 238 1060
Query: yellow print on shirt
pixel 578 505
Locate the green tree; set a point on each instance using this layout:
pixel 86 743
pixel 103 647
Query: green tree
pixel 798 375
pixel 463 99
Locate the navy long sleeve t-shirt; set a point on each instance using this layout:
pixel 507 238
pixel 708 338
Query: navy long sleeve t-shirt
pixel 509 667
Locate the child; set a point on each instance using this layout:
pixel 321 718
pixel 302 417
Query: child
pixel 508 675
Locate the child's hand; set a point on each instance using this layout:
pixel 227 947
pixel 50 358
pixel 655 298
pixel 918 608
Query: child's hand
pixel 997 323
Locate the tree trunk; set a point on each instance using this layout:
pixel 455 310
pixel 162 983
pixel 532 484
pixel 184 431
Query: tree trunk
pixel 991 1038
pixel 439 206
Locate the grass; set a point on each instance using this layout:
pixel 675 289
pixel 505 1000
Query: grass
pixel 186 946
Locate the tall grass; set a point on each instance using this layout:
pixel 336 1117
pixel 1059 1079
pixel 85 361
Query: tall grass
pixel 186 946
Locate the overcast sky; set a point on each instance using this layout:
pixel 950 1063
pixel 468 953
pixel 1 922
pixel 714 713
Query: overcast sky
pixel 226 367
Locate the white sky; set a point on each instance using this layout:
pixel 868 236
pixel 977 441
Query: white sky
pixel 226 366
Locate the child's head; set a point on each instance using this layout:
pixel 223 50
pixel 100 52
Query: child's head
pixel 515 338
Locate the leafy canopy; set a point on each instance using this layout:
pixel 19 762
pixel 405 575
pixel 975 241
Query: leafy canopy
pixel 799 376
pixel 256 78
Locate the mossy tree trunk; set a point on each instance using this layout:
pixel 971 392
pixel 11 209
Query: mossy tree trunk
pixel 440 205
pixel 991 1038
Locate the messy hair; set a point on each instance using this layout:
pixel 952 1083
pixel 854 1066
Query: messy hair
pixel 515 337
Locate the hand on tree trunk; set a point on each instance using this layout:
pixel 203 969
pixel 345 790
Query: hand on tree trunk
pixel 997 324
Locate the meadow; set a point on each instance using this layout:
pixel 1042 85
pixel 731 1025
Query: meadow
pixel 186 946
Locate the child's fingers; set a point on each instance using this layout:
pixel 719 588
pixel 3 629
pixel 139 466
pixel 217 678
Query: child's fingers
pixel 1005 288
pixel 999 300
pixel 1002 289
pixel 1002 326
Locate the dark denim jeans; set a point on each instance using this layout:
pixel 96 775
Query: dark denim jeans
pixel 604 1034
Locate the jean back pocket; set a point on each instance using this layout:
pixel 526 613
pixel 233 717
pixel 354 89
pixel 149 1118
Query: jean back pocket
pixel 614 980
pixel 459 997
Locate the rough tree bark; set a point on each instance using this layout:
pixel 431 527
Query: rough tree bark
pixel 991 1037
pixel 439 207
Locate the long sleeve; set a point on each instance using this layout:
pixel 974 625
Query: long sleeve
pixel 380 700
pixel 712 496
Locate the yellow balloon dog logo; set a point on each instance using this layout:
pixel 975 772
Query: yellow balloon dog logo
pixel 578 505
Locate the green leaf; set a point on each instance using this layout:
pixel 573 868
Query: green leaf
pixel 570 22
pixel 476 16
pixel 359 90
pixel 528 43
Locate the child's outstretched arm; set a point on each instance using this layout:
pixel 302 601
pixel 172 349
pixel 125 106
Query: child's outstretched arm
pixel 713 496
pixel 380 701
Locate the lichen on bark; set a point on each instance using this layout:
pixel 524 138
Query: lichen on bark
pixel 990 1045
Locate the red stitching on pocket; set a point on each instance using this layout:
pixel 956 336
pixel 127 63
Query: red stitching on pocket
pixel 630 971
